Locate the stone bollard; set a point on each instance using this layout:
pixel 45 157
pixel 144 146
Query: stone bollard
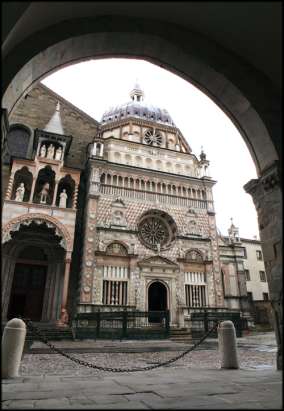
pixel 228 345
pixel 13 341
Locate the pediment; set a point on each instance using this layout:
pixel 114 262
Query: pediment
pixel 118 202
pixel 157 261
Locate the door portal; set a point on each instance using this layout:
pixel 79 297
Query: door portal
pixel 157 300
pixel 27 291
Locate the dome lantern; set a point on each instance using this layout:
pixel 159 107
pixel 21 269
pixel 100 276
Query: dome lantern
pixel 137 93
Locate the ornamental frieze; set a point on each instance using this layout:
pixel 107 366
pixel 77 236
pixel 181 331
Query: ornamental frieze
pixel 38 218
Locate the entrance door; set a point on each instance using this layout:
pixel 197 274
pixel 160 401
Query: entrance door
pixel 27 291
pixel 157 300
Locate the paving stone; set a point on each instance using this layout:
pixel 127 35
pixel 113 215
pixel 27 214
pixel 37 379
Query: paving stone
pixel 107 399
pixel 21 404
pixel 52 403
pixel 143 396
pixel 195 383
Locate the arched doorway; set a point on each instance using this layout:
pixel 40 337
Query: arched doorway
pixel 33 267
pixel 157 300
pixel 28 286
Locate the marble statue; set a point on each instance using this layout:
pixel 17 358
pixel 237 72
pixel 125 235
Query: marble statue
pixel 63 199
pixel 44 193
pixel 58 153
pixel 20 192
pixel 43 151
pixel 50 151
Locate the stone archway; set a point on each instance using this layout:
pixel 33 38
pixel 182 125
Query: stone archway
pixel 26 219
pixel 237 88
pixel 55 239
pixel 33 273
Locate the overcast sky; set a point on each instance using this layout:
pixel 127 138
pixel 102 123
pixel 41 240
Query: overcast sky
pixel 96 85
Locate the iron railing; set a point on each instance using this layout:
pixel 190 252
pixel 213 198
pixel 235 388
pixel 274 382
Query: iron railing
pixel 121 324
pixel 202 319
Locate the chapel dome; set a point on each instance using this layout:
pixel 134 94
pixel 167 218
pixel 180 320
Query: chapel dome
pixel 137 107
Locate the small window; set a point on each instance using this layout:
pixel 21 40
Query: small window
pixel 258 254
pixel 245 253
pixel 262 276
pixel 247 275
pixel 265 296
pixel 250 297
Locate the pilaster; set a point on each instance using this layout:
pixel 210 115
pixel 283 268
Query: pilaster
pixel 267 197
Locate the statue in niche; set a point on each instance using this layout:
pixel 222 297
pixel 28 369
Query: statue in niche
pixel 180 251
pixel 20 192
pixel 44 193
pixel 58 153
pixel 96 175
pixel 118 218
pixel 43 151
pixel 63 199
pixel 194 256
pixel 101 245
pixel 116 249
pixel 50 151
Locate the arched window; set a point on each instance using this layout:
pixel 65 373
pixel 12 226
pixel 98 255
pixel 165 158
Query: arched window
pixel 45 182
pixel 108 179
pixel 68 184
pixel 103 176
pixel 19 140
pixel 23 176
pixel 116 249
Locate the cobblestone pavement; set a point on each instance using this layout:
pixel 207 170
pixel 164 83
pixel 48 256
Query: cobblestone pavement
pixel 49 381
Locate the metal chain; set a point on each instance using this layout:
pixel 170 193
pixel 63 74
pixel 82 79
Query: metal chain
pixel 110 369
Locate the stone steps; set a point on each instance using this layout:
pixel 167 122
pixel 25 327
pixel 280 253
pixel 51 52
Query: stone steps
pixel 180 335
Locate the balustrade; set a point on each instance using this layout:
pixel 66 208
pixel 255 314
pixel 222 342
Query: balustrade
pixel 154 196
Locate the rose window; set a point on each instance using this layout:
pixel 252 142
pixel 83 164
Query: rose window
pixel 156 230
pixel 153 138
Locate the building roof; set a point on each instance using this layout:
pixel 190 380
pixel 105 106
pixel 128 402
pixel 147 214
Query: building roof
pixel 138 108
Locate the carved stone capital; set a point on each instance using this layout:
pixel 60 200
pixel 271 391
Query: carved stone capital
pixel 269 180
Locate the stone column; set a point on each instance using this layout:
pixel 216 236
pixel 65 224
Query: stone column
pixel 101 150
pixel 75 197
pixel 55 192
pixel 267 197
pixel 64 313
pixel 32 190
pixel 10 187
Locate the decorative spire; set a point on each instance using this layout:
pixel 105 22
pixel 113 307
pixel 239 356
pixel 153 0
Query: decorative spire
pixel 233 232
pixel 55 123
pixel 137 93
